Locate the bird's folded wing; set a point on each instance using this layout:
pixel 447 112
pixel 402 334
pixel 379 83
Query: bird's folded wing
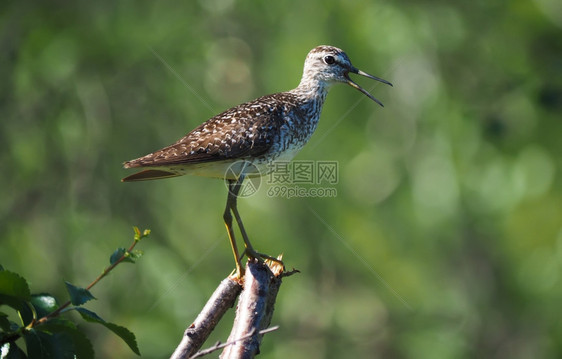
pixel 247 130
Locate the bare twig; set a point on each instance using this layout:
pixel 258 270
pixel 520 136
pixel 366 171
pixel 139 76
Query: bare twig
pixel 195 335
pixel 220 345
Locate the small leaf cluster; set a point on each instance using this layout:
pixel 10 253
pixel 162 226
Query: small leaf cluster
pixel 45 333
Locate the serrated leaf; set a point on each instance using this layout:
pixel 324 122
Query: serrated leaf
pixel 78 296
pixel 12 284
pixel 89 316
pixel 124 333
pixel 43 345
pixel 82 346
pixel 14 290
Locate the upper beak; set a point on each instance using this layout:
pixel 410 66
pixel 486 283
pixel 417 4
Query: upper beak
pixel 353 84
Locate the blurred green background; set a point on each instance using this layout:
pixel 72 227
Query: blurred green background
pixel 444 239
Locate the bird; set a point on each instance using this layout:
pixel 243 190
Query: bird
pixel 242 141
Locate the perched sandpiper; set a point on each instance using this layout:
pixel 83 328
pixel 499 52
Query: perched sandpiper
pixel 241 141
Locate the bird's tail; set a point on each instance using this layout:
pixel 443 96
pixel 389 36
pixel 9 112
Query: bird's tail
pixel 149 175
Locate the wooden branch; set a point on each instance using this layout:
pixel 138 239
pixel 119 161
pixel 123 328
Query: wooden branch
pixel 255 309
pixel 253 314
pixel 220 345
pixel 197 333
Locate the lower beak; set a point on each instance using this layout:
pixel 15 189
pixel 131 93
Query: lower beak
pixel 353 84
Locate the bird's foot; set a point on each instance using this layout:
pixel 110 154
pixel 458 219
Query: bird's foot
pixel 237 273
pixel 269 260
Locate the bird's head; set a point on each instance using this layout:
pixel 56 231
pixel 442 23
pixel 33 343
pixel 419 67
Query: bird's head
pixel 329 65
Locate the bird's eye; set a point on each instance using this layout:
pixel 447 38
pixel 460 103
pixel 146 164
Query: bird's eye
pixel 330 60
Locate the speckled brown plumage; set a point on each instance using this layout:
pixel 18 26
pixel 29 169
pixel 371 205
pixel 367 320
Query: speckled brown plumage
pixel 247 130
pixel 270 127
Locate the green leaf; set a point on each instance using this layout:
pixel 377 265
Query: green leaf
pixel 124 333
pixel 78 296
pixel 12 284
pixel 136 254
pixel 14 290
pixel 43 304
pixel 119 252
pixel 81 344
pixel 88 315
pixel 43 345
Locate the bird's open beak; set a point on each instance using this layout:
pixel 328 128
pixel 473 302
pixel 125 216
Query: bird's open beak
pixel 353 84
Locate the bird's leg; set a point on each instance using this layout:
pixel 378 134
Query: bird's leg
pixel 250 252
pixel 233 190
pixel 230 200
